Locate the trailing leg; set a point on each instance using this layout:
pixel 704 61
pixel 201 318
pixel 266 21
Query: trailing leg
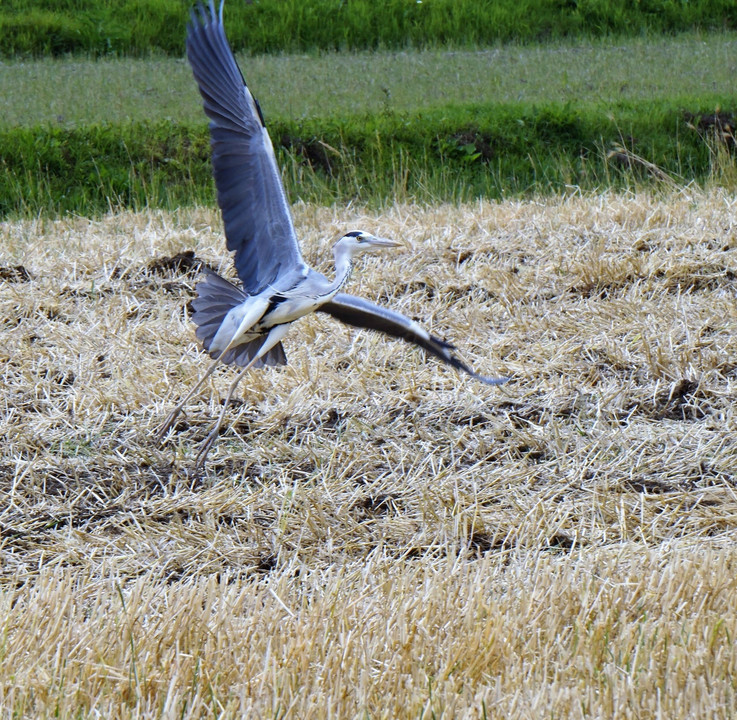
pixel 272 339
pixel 175 412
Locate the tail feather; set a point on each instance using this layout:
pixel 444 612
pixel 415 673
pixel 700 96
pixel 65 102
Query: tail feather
pixel 215 298
pixel 212 316
pixel 243 354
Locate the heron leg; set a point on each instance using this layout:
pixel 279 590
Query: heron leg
pixel 175 412
pixel 274 336
pixel 212 436
pixel 255 309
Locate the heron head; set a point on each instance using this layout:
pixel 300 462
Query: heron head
pixel 358 241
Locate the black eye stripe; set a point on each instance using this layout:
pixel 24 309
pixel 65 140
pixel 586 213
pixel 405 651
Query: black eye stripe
pixel 354 233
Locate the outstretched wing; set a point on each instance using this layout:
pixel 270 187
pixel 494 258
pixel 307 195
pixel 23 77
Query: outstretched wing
pixel 258 224
pixel 364 314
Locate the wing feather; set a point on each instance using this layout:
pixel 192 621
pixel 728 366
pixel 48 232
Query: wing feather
pixel 361 313
pixel 256 215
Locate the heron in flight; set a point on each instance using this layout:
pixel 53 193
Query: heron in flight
pixel 245 325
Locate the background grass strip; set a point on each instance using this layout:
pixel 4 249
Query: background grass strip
pixel 138 27
pixel 75 91
pixel 453 153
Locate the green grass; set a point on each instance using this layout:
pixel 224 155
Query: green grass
pixel 444 154
pixel 424 125
pixel 54 27
pixel 74 91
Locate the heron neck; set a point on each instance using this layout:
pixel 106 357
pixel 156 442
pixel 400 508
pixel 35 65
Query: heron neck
pixel 343 269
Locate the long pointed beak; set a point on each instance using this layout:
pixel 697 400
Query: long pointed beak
pixel 382 242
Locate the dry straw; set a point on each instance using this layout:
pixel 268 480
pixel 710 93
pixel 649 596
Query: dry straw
pixel 375 535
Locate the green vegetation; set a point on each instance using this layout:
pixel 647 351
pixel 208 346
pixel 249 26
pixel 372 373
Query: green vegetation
pixel 443 154
pixel 83 136
pixel 116 90
pixel 138 27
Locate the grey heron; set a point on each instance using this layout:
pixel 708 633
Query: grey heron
pixel 245 325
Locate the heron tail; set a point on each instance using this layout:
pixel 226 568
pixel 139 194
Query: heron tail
pixel 216 297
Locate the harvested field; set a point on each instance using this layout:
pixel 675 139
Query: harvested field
pixel 376 536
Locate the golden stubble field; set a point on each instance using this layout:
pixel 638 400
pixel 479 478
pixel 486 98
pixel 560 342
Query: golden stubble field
pixel 374 535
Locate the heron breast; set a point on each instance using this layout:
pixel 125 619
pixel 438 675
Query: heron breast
pixel 285 310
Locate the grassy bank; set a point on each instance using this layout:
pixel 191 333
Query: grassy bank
pixel 445 154
pixel 82 136
pixel 52 27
